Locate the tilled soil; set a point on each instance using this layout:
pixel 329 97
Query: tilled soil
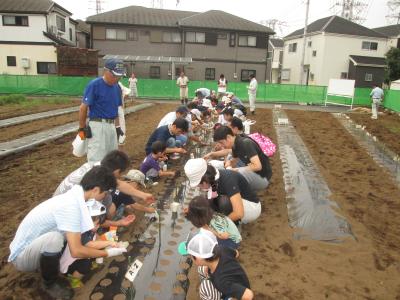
pixel 386 128
pixel 278 266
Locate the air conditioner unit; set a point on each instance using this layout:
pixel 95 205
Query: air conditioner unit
pixel 25 62
pixel 53 30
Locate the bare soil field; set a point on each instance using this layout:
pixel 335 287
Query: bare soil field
pixel 278 266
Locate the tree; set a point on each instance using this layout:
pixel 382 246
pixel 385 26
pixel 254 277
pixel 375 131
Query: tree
pixel 393 65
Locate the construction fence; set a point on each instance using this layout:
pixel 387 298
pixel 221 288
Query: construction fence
pixel 167 89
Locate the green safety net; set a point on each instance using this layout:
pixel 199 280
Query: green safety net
pixel 167 89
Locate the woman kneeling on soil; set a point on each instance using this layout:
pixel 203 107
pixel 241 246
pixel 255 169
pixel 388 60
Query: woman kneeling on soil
pixel 229 192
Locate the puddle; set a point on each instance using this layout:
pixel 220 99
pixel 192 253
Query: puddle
pixel 307 195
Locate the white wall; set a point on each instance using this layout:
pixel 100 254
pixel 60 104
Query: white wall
pixel 51 20
pixel 332 57
pixel 392 42
pixel 338 49
pixel 31 33
pixel 34 52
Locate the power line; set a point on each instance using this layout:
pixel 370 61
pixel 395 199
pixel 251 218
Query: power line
pixel 351 10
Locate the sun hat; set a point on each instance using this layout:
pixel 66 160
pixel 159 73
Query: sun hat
pixel 200 245
pixel 115 66
pixel 95 208
pixel 196 112
pixel 195 168
pixel 135 176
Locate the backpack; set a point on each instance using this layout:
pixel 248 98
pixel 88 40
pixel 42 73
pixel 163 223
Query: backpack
pixel 265 143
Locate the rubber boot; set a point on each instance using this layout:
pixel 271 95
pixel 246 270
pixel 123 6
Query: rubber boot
pixel 52 284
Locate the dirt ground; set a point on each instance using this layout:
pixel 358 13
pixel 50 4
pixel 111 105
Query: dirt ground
pixel 278 266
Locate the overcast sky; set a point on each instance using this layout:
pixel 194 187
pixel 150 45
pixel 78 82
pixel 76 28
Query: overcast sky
pixel 291 12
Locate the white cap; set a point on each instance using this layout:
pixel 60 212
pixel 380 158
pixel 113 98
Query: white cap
pixel 194 170
pixel 136 176
pixel 196 112
pixel 95 208
pixel 202 244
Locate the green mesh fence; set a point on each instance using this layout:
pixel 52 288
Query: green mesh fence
pixel 167 89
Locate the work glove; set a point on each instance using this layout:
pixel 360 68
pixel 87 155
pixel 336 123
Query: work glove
pixel 81 133
pixel 119 131
pixel 115 251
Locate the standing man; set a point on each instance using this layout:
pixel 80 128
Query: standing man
pixel 102 97
pixel 222 83
pixel 377 96
pixel 182 82
pixel 252 91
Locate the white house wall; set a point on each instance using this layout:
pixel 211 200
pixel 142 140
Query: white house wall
pixel 332 57
pixel 31 33
pixel 51 19
pixel 338 49
pixel 35 53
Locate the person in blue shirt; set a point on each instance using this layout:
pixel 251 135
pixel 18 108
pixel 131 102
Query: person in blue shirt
pixel 167 135
pixel 100 103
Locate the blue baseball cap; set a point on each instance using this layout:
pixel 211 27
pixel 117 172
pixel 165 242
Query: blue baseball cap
pixel 115 66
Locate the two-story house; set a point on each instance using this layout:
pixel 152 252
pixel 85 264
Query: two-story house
pixel 335 48
pixel 30 30
pixel 275 55
pixel 214 42
pixel 393 34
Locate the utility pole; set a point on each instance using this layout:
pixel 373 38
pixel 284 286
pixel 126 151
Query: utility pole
pixel 303 53
pixel 98 7
pixel 157 3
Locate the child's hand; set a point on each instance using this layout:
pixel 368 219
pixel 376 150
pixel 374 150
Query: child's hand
pixel 127 220
pixel 223 235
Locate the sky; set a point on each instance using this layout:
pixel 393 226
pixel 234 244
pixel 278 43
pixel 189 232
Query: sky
pixel 291 13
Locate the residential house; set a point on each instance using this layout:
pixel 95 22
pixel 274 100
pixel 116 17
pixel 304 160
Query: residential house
pixel 393 34
pixel 82 34
pixel 214 42
pixel 275 55
pixel 335 48
pixel 30 30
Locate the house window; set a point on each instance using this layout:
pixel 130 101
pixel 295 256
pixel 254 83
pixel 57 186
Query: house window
pixel 312 76
pixel 368 77
pixel 60 21
pixel 210 74
pixel 11 61
pixel 155 72
pixel 309 44
pixel 314 53
pixel 196 37
pixel 293 47
pixel 269 54
pixel 171 37
pixel 222 36
pixel 245 74
pixel 46 67
pixel 15 21
pixel 247 41
pixel 369 46
pixel 70 34
pixel 115 34
pixel 232 39
pixel 285 74
pixel 132 35
pixel 343 75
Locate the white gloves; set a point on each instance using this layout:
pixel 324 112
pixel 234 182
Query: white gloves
pixel 115 251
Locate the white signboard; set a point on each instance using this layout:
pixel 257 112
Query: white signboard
pixel 133 270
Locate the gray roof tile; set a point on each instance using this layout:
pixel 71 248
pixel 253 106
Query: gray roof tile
pixel 369 60
pixel 391 30
pixel 277 43
pixel 28 6
pixel 336 24
pixel 138 15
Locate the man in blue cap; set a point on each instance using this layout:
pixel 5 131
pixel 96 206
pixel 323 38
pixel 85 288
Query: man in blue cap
pixel 101 98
